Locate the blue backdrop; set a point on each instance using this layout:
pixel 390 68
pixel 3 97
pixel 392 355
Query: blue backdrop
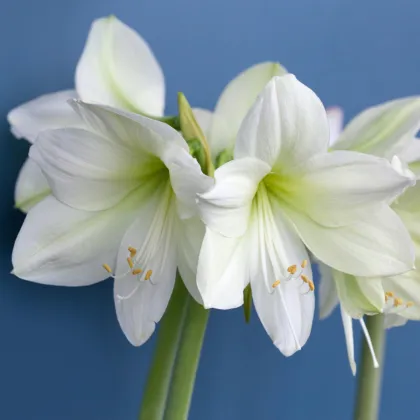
pixel 62 354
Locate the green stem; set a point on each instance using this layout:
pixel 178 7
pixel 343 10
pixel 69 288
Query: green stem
pixel 186 364
pixel 369 384
pixel 169 335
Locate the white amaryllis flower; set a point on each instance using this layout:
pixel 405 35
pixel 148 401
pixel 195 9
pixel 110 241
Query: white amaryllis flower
pixel 124 199
pixel 283 191
pixel 385 131
pixel 117 68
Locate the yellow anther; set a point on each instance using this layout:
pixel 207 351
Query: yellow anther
pixel 398 302
pixel 304 278
pixel 408 304
pixel 275 284
pixel 130 262
pixel 137 271
pixel 311 285
pixel 133 251
pixel 107 268
pixel 386 298
pixel 389 294
pixel 292 269
pixel 304 263
pixel 148 275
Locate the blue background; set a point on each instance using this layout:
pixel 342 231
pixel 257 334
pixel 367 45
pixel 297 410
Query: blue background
pixel 62 355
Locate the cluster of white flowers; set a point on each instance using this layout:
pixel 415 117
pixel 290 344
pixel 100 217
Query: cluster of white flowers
pixel 111 189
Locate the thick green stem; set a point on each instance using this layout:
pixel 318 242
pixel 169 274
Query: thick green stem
pixel 186 364
pixel 169 334
pixel 369 383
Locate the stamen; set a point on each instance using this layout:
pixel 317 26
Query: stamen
pixel 137 271
pixel 148 275
pixel 132 251
pixel 409 304
pixel 389 294
pixel 369 341
pixel 276 283
pixel 397 302
pixel 292 269
pixel 130 262
pixel 107 268
pixel 304 263
pixel 305 278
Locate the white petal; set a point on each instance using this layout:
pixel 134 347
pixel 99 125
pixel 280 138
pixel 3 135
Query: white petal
pixel 187 180
pixel 348 332
pixel 393 320
pixel 359 295
pixel 377 245
pixel 411 155
pixel 86 171
pixel 335 121
pixel 62 246
pixel 118 68
pixel 286 126
pixel 190 237
pixel 223 271
pixel 383 130
pixel 204 119
pixel 286 311
pixel 31 186
pixel 338 187
pixel 141 300
pixel 236 100
pixel 45 112
pixel 226 207
pixel 93 170
pixel 129 129
pixel 328 298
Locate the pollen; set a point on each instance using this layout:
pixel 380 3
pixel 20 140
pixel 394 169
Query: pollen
pixel 398 302
pixel 107 268
pixel 148 275
pixel 137 271
pixel 130 262
pixel 305 278
pixel 292 269
pixel 132 251
pixel 304 263
pixel 275 284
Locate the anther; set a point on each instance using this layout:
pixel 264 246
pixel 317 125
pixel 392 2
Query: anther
pixel 137 271
pixel 133 251
pixel 311 285
pixel 107 268
pixel 130 262
pixel 275 284
pixel 148 275
pixel 305 278
pixel 304 263
pixel 408 304
pixel 389 294
pixel 292 269
pixel 398 302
